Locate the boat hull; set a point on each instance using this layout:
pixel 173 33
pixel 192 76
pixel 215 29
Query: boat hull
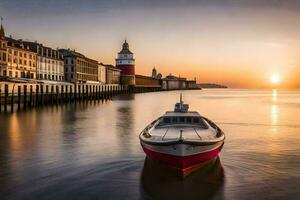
pixel 183 163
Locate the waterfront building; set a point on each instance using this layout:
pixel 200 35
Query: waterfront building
pixel 113 74
pixel 192 84
pixel 16 59
pixel 172 82
pixel 79 68
pixel 126 63
pixel 50 63
pixel 20 61
pixel 3 46
pixel 147 81
pixel 155 74
pixel 101 73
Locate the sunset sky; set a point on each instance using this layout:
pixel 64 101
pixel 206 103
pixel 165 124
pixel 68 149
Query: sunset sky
pixel 240 43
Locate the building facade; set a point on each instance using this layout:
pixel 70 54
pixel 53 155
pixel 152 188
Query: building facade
pixel 20 61
pixel 171 82
pixel 50 63
pixel 101 73
pixel 146 81
pixel 155 74
pixel 126 63
pixel 113 74
pixel 3 47
pixel 78 68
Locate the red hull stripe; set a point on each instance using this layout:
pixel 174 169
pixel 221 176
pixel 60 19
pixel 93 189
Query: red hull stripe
pixel 126 69
pixel 183 162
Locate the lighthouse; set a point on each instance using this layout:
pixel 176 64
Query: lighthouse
pixel 125 62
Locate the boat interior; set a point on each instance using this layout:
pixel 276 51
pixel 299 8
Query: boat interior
pixel 182 126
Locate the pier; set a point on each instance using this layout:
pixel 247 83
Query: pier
pixel 19 96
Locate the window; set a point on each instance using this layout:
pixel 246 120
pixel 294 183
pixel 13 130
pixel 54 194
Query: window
pixel 72 69
pixel 181 119
pixel 175 119
pixel 66 61
pixel 167 120
pixel 188 120
pixel 30 56
pixel 25 55
pixel 20 54
pixel 17 74
pixel 195 119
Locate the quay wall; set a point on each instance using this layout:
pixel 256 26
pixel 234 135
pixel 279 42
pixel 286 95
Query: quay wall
pixel 18 96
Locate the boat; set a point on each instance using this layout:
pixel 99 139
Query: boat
pixel 182 140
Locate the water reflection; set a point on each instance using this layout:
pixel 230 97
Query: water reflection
pixel 93 148
pixel 274 95
pixel 274 115
pixel 274 110
pixel 161 183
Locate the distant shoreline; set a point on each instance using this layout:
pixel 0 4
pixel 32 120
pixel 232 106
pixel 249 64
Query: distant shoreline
pixel 210 85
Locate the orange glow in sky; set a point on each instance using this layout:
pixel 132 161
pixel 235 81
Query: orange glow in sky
pixel 236 44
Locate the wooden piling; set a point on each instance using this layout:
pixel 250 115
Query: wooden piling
pixel 56 94
pixel 47 94
pixel 75 93
pixel 42 95
pixel 86 92
pixel 101 92
pixel 79 92
pixel 62 94
pixel 12 99
pixel 90 92
pixel 19 97
pixel 67 94
pixel 5 97
pixel 51 94
pixel 93 96
pixel 37 95
pixel 104 92
pixel 30 103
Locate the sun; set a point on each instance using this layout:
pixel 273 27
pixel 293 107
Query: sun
pixel 275 79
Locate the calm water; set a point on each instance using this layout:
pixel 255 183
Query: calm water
pixel 91 150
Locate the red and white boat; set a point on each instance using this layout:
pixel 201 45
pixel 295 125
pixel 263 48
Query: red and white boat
pixel 181 139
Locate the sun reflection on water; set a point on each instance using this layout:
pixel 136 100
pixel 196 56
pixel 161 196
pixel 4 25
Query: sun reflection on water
pixel 274 110
pixel 274 95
